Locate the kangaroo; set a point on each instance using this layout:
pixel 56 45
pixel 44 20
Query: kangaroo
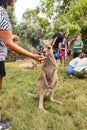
pixel 47 79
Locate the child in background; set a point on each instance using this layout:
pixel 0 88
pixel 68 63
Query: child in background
pixel 63 48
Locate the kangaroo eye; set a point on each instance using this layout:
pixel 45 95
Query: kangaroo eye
pixel 48 48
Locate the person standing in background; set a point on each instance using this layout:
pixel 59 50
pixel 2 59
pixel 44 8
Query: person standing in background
pixel 63 52
pixel 77 46
pixel 56 40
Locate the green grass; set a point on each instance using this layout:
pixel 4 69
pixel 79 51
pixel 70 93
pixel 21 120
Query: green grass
pixel 22 110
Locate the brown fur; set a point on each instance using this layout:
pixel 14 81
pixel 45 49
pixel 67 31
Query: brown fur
pixel 48 78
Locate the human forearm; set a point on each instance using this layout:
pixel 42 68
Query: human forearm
pixel 7 38
pixel 80 47
pixel 19 50
pixel 60 46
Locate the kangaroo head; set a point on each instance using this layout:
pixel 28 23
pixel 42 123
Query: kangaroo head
pixel 47 48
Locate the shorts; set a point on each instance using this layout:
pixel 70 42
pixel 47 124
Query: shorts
pixel 79 74
pixel 57 55
pixel 63 53
pixel 69 70
pixel 2 69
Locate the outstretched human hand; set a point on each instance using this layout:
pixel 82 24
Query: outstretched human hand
pixel 38 57
pixel 15 37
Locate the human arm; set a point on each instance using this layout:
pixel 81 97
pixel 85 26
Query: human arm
pixel 61 40
pixel 60 46
pixel 6 35
pixel 78 46
pixel 52 41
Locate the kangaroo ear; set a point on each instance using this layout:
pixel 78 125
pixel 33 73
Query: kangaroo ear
pixel 42 42
pixel 52 41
